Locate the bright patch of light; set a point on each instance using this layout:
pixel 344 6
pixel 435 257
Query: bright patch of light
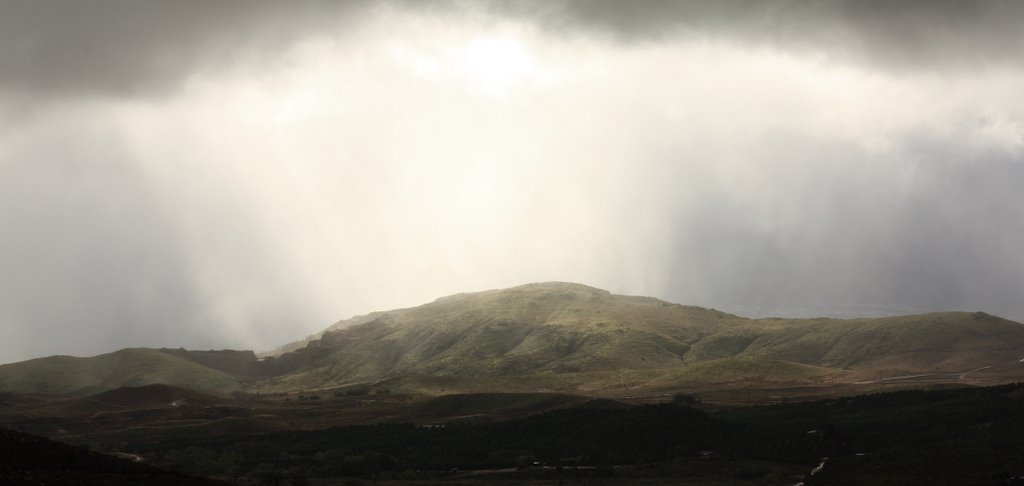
pixel 481 65
pixel 294 107
pixel 495 63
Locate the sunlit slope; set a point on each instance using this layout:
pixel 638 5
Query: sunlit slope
pixel 532 329
pixel 565 336
pixel 67 375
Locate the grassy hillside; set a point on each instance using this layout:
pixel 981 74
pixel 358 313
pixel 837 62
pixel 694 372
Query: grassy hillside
pixel 545 329
pixel 939 341
pixel 573 338
pixel 67 375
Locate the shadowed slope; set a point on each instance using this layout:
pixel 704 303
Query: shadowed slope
pixel 152 395
pixel 67 375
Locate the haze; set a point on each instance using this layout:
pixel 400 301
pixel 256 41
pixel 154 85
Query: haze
pixel 241 175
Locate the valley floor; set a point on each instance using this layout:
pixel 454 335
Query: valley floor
pixel 949 434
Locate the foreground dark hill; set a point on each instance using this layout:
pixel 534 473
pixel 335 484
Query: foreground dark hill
pixel 30 460
pixel 564 337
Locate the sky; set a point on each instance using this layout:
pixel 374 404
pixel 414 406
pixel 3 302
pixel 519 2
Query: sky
pixel 243 174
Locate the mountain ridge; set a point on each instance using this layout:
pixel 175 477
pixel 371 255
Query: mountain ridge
pixel 563 337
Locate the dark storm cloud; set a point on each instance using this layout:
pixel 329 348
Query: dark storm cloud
pixel 899 35
pixel 117 47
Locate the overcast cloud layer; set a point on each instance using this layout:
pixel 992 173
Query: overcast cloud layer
pixel 244 174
